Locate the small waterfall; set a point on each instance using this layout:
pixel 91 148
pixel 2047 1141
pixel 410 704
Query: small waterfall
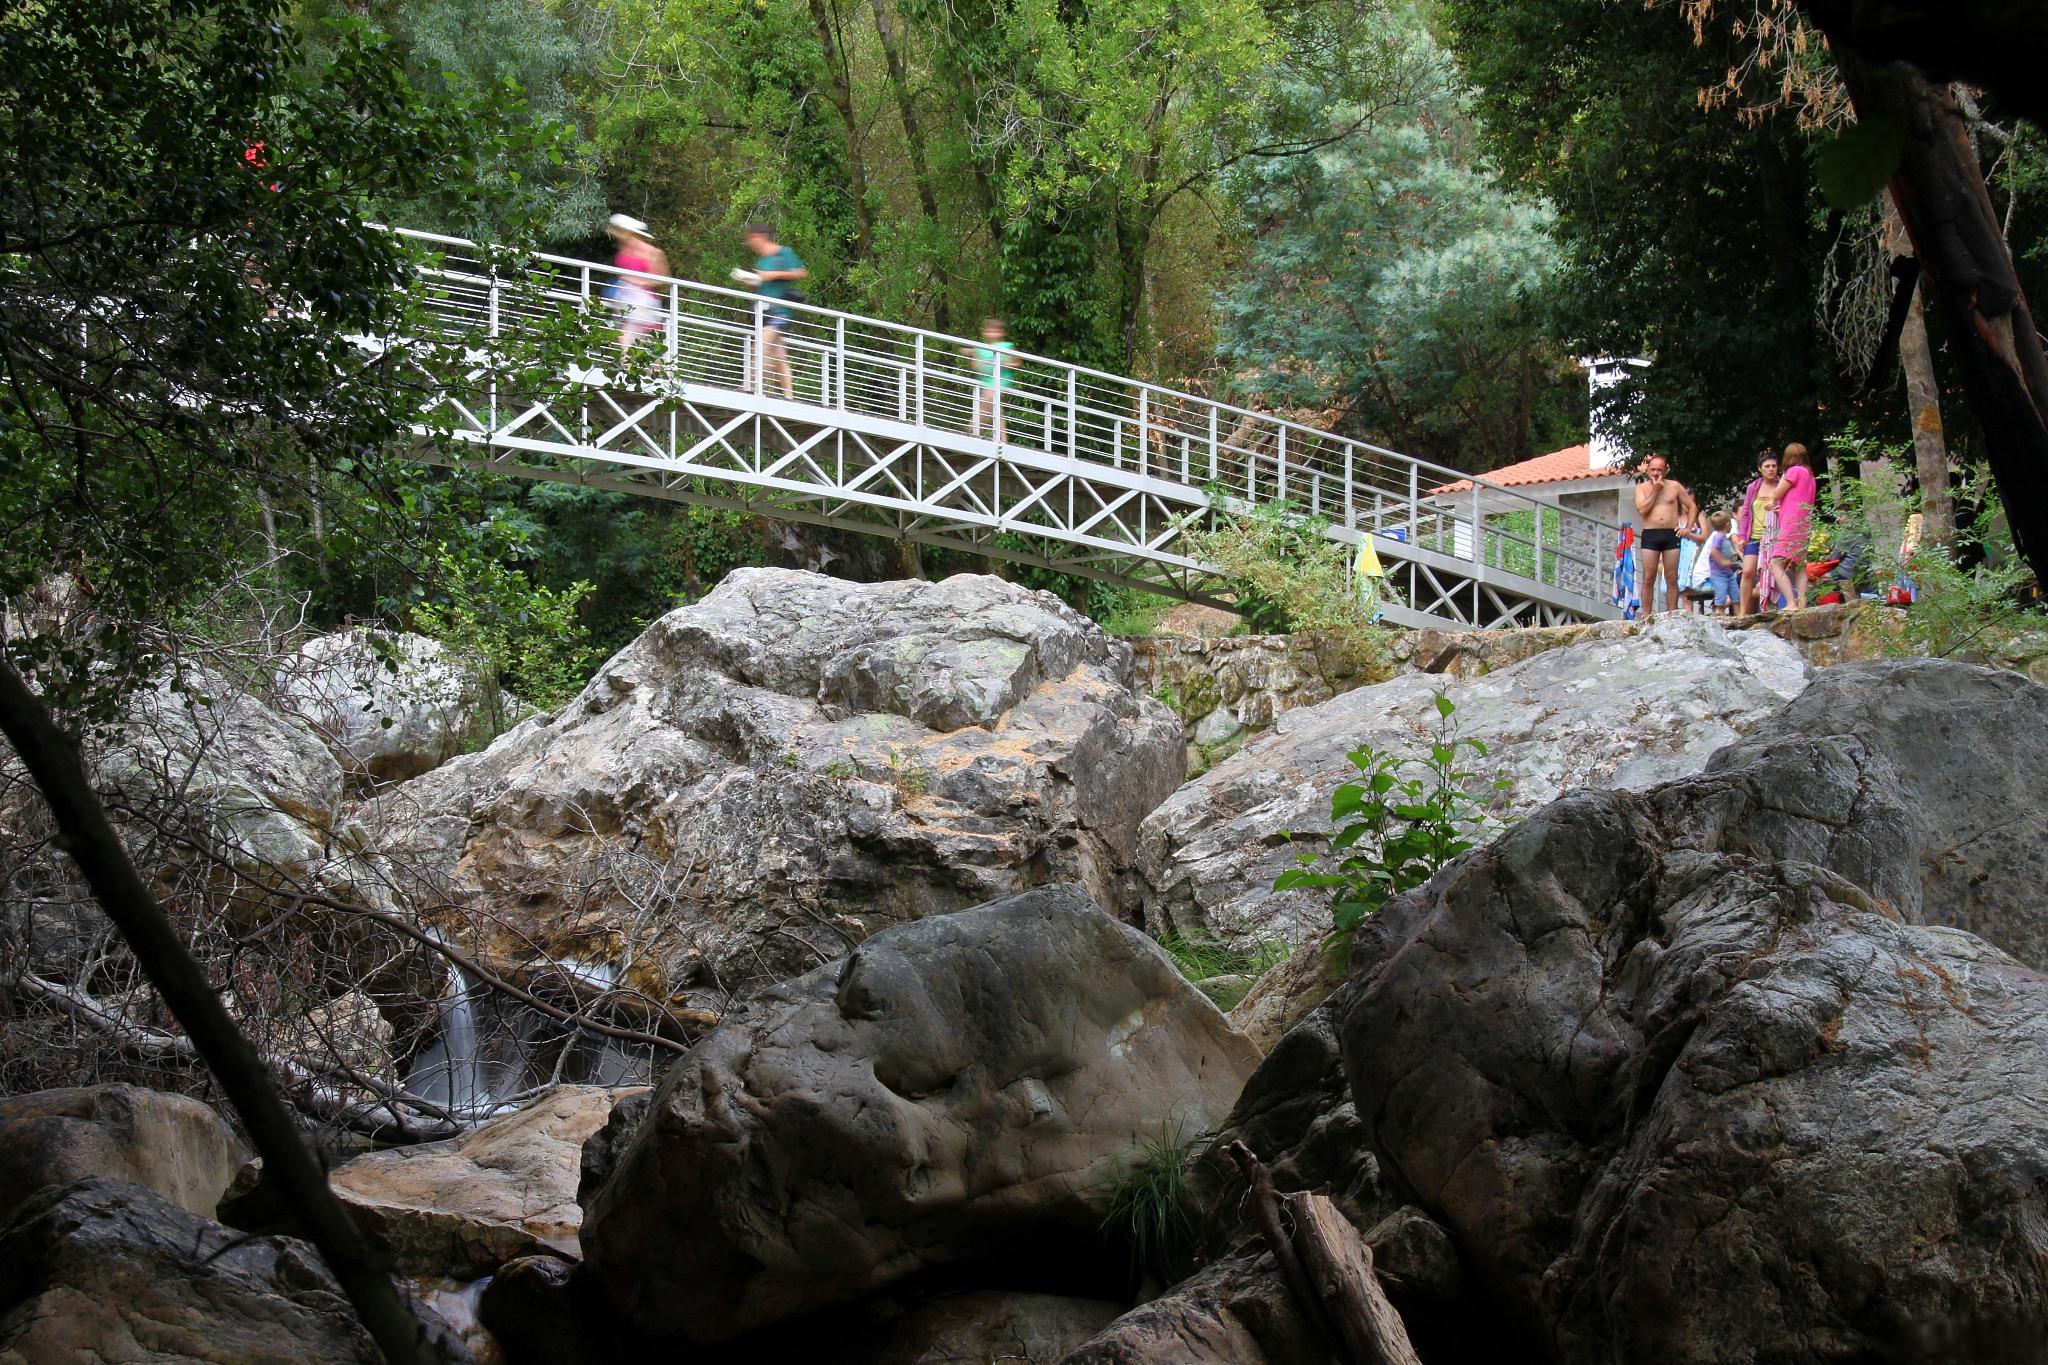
pixel 488 1048
pixel 450 1072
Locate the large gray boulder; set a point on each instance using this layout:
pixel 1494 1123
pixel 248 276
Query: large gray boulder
pixel 171 1144
pixel 1950 825
pixel 389 704
pixel 1684 1084
pixel 959 1089
pixel 1609 711
pixel 103 1270
pixel 259 782
pixel 768 776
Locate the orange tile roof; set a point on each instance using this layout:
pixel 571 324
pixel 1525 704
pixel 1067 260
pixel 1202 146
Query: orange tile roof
pixel 1559 466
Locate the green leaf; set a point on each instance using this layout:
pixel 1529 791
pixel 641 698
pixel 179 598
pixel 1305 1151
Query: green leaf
pixel 1855 167
pixel 1444 705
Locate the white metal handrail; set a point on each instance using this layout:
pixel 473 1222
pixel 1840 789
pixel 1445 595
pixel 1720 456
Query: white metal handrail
pixel 712 336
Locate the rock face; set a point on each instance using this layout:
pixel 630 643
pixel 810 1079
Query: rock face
pixel 107 1271
pixel 463 1207
pixel 171 1144
pixel 264 783
pixel 1608 711
pixel 767 776
pixel 1235 1311
pixel 384 723
pixel 990 1327
pixel 957 1090
pixel 1958 755
pixel 1682 1083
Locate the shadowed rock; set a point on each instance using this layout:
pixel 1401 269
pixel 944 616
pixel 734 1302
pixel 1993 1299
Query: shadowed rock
pixel 107 1271
pixel 1685 1086
pixel 957 1090
pixel 172 1144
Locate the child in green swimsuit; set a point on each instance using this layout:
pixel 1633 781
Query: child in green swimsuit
pixel 991 376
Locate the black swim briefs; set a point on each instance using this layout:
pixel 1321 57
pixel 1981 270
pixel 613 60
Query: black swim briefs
pixel 1660 538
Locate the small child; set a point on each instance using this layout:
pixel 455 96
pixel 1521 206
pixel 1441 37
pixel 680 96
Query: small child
pixel 991 376
pixel 1724 564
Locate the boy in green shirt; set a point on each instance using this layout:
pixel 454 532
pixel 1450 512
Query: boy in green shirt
pixel 772 278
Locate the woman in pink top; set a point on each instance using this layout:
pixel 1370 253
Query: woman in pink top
pixel 1796 493
pixel 635 297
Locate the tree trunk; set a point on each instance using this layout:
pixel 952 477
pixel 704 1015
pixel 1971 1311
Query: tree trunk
pixel 288 1163
pixel 1940 193
pixel 1923 399
pixel 840 91
pixel 913 138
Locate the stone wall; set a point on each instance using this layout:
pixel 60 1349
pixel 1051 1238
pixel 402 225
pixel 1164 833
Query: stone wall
pixel 1228 689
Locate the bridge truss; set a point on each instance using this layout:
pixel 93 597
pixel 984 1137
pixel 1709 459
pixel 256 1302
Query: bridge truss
pixel 887 431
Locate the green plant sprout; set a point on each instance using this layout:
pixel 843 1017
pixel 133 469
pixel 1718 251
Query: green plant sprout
pixel 1396 827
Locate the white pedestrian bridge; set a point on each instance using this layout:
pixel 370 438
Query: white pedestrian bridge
pixel 1090 473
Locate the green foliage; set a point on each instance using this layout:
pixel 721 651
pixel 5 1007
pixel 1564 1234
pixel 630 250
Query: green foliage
pixel 1966 596
pixel 1403 820
pixel 908 775
pixel 1855 166
pixel 1965 593
pixel 1150 1202
pixel 1288 576
pixel 516 45
pixel 512 635
pixel 1393 277
pixel 1126 611
pixel 134 456
pixel 1200 958
pixel 1690 236
pixel 642 556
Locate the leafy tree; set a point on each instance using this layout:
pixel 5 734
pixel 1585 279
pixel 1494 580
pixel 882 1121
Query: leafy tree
pixel 521 46
pixel 183 266
pixel 1697 240
pixel 1391 280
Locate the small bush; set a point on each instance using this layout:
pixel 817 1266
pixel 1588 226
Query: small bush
pixel 1396 827
pixel 1126 611
pixel 512 635
pixel 1288 576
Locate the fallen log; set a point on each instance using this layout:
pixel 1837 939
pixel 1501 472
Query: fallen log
pixel 1328 1268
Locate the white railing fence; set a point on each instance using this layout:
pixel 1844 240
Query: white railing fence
pixel 715 337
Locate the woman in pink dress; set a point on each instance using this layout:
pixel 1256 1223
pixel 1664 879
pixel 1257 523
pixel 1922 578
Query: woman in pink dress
pixel 1796 492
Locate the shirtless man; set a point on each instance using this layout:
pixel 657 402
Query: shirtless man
pixel 1666 509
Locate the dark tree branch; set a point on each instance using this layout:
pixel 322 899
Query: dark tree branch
pixel 53 763
pixel 1940 194
pixel 1995 45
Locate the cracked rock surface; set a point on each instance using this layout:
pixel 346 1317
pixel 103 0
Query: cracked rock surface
pixel 1610 711
pixel 769 775
pixel 956 1091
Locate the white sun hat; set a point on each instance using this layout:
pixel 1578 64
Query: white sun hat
pixel 626 222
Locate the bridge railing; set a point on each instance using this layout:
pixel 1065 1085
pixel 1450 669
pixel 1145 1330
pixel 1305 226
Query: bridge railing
pixel 714 336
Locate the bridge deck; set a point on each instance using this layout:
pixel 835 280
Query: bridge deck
pixel 1088 473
